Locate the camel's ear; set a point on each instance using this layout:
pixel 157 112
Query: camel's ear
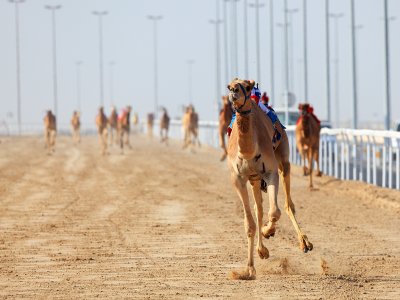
pixel 250 85
pixel 228 86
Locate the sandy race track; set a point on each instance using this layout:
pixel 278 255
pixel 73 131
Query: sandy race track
pixel 162 223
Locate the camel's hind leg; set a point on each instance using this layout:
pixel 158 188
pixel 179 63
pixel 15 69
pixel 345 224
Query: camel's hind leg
pixel 250 228
pixel 310 166
pixel 284 170
pixel 274 212
pixel 316 158
pixel 222 144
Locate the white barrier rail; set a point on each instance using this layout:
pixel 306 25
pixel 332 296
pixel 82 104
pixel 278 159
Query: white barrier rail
pixel 366 155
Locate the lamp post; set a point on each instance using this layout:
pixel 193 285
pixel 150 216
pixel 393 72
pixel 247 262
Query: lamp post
pixel 155 19
pixel 257 7
pixel 387 66
pixel 18 60
pixel 53 9
pixel 111 65
pixel 290 13
pixel 328 61
pixel 272 66
pixel 336 18
pixel 305 52
pixel 354 65
pixel 78 65
pixel 216 23
pixel 286 55
pixel 190 63
pixel 246 41
pixel 226 54
pixel 100 15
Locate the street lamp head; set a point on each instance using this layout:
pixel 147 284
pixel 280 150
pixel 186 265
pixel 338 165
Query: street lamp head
pixel 16 1
pixel 52 7
pixel 100 13
pixel 154 18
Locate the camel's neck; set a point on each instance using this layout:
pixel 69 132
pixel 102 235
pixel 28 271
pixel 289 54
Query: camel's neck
pixel 246 139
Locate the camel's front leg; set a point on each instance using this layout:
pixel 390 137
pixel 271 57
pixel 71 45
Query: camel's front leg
pixel 310 166
pixel 258 208
pixel 316 158
pixel 272 180
pixel 250 229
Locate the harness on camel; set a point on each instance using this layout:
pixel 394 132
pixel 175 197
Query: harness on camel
pixel 255 96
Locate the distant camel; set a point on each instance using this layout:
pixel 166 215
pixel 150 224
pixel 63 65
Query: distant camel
pixel 190 124
pixel 253 157
pixel 101 123
pixel 150 124
pixel 76 127
pixel 124 128
pixel 225 117
pixel 164 126
pixel 307 139
pixel 50 131
pixel 113 123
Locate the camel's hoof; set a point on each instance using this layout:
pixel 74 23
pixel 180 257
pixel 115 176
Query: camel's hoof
pixel 306 245
pixel 222 157
pixel 248 274
pixel 319 174
pixel 263 253
pixel 268 231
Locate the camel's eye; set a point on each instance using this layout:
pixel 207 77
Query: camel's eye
pixel 236 90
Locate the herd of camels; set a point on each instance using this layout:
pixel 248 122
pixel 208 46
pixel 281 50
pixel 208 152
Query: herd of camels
pixel 257 151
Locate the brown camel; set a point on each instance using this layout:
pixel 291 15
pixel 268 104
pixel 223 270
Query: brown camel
pixel 101 123
pixel 150 124
pixel 164 126
pixel 50 131
pixel 113 123
pixel 124 128
pixel 190 124
pixel 251 157
pixel 307 140
pixel 76 127
pixel 225 116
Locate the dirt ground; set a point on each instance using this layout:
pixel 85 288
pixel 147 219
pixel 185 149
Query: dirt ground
pixel 163 223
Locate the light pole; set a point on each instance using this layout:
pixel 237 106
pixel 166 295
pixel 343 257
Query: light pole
pixel 305 52
pixel 354 65
pixel 53 9
pixel 387 66
pixel 234 41
pixel 246 41
pixel 336 18
pixel 290 13
pixel 18 60
pixel 257 7
pixel 155 19
pixel 100 15
pixel 272 66
pixel 328 61
pixel 216 23
pixel 190 63
pixel 78 65
pixel 111 65
pixel 286 93
pixel 226 54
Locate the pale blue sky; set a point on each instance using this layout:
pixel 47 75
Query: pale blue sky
pixel 184 33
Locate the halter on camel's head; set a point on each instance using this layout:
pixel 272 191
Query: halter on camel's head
pixel 239 94
pixel 305 109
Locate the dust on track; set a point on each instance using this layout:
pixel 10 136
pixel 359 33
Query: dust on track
pixel 162 223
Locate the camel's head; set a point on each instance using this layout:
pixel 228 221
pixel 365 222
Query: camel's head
pixel 239 91
pixel 101 109
pixel 129 108
pixel 304 109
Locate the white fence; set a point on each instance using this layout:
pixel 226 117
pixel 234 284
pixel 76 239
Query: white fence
pixel 365 155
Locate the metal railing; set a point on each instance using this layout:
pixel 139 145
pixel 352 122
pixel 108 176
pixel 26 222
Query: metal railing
pixel 370 156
